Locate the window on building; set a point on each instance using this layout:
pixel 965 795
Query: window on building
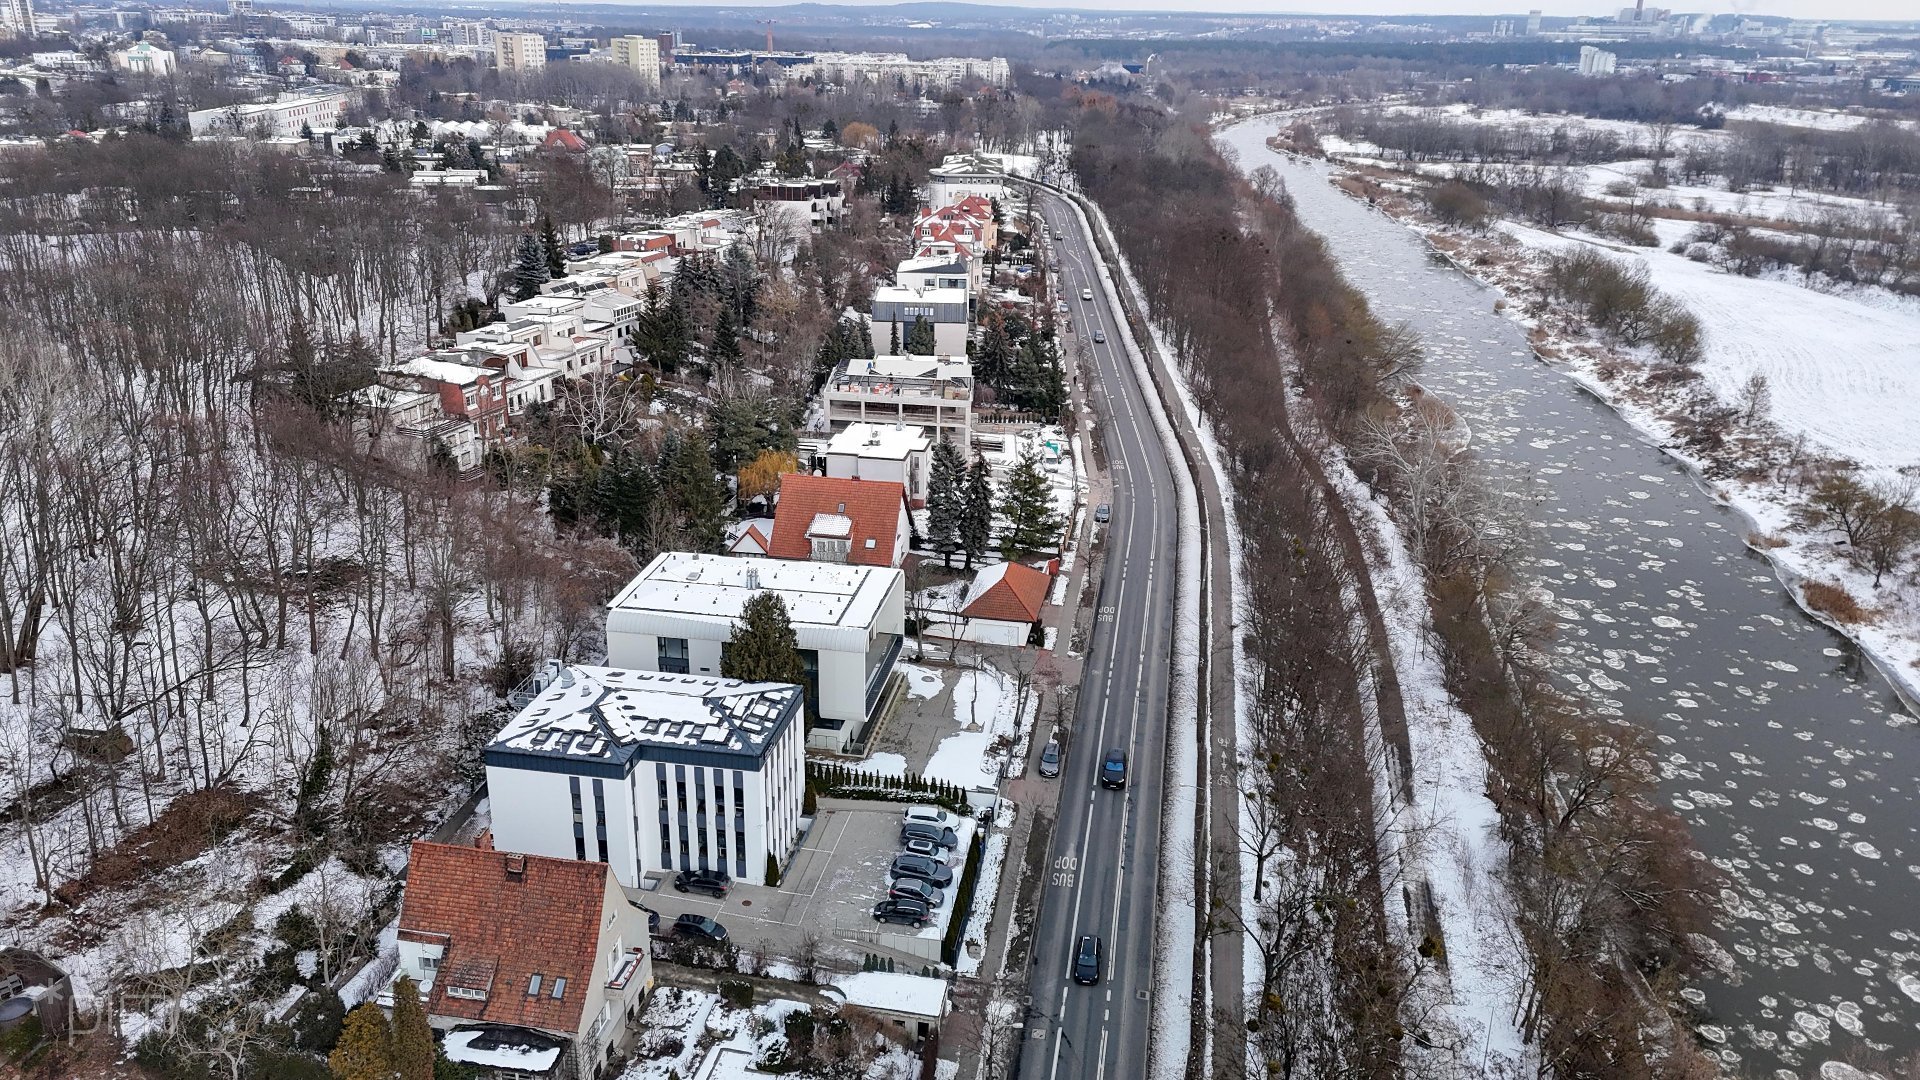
pixel 559 987
pixel 673 656
pixel 533 986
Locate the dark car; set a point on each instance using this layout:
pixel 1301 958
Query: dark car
pixel 911 912
pixel 1050 760
pixel 1113 771
pixel 1099 337
pixel 1086 961
pixel 700 926
pixel 1103 513
pixel 938 875
pixel 706 881
pixel 583 249
pixel 920 830
pixel 918 891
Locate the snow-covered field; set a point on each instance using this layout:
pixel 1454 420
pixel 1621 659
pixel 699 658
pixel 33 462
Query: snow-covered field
pixel 691 1035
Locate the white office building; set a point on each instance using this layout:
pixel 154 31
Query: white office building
pixel 650 773
pixel 850 621
pixel 287 114
pixel 642 54
pixel 519 52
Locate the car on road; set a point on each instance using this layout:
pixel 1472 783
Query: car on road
pixel 1086 294
pixel 1050 760
pixel 921 813
pixel 700 926
pixel 1053 265
pixel 1086 961
pixel 1100 337
pixel 936 874
pixel 937 834
pixel 706 881
pixel 917 891
pixel 1103 513
pixel 911 912
pixel 1113 771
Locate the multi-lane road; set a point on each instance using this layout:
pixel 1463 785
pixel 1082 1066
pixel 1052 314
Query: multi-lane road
pixel 1103 861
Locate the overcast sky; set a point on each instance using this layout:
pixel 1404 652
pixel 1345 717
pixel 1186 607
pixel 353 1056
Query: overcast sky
pixel 1794 9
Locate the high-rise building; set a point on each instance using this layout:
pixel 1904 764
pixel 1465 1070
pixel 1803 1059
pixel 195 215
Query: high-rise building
pixel 1533 23
pixel 519 52
pixel 16 18
pixel 642 54
pixel 1596 61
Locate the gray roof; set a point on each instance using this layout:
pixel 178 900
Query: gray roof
pixel 589 715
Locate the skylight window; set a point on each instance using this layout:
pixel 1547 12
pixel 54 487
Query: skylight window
pixel 533 986
pixel 559 988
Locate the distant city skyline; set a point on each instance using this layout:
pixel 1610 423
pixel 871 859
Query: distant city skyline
pixel 1900 10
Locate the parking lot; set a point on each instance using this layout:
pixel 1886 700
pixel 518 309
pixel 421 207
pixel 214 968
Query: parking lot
pixel 834 881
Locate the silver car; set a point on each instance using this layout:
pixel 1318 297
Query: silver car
pixel 1050 760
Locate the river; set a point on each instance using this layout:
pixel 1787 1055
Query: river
pixel 1789 756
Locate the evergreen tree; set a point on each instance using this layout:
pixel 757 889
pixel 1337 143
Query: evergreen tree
pixel 550 246
pixel 829 130
pixel 390 161
pixel 412 1036
pixel 946 500
pixel 529 268
pixel 763 647
pixel 365 1049
pixel 993 353
pixel 724 353
pixel 623 499
pixel 1031 523
pixel 976 511
pixel 691 494
pixel 920 340
pixel 893 340
pixel 740 283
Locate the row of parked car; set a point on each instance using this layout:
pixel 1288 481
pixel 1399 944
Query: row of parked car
pixel 921 872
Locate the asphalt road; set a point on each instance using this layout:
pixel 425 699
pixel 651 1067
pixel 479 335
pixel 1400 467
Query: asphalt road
pixel 1103 869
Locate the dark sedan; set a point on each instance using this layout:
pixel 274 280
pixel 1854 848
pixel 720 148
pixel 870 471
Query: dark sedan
pixel 706 881
pixel 935 874
pixel 1086 961
pixel 700 926
pixel 1113 771
pixel 910 912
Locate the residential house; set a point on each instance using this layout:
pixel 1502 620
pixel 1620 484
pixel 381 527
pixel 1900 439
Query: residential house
pixel 962 175
pixel 931 392
pixel 916 1004
pixel 895 452
pixel 650 772
pixel 679 612
pixel 969 221
pixel 477 395
pixel 145 58
pixel 954 269
pixel 531 966
pixel 840 520
pixel 386 412
pixel 895 310
pixel 1002 606
pixel 804 204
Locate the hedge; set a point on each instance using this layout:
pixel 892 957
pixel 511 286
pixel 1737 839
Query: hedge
pixel 963 901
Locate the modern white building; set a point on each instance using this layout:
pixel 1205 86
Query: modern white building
pixel 651 772
pixel 16 18
pixel 896 452
pixel 642 54
pixel 285 115
pixel 896 309
pixel 961 175
pixel 144 58
pixel 679 613
pixel 1597 61
pixel 951 271
pixel 933 392
pixel 942 73
pixel 519 52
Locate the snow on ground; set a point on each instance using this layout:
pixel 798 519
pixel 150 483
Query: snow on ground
pixel 1823 119
pixel 883 765
pixel 973 948
pixel 986 706
pixel 922 682
pixel 1448 835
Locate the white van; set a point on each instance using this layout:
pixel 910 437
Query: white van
pixel 1086 294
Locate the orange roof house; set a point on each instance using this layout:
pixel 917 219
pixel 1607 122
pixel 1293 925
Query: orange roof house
pixel 827 519
pixel 1007 592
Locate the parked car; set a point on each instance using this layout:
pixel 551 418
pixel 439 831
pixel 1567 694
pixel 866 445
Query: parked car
pixel 1086 294
pixel 920 830
pixel 1050 760
pixel 1086 961
pixel 936 874
pixel 1103 513
pixel 700 926
pixel 1113 771
pixel 911 912
pixel 706 881
pixel 1100 337
pixel 926 848
pixel 930 815
pixel 916 890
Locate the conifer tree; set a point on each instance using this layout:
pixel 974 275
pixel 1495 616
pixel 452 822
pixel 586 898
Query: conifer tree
pixel 556 255
pixel 365 1049
pixel 691 494
pixel 763 647
pixel 1031 523
pixel 946 500
pixel 529 268
pixel 412 1036
pixel 920 339
pixel 893 340
pixel 976 511
pixel 724 353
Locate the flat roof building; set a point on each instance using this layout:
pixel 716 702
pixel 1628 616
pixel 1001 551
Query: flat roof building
pixel 932 392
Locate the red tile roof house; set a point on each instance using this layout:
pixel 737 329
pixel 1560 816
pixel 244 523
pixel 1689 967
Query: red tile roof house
pixel 1001 607
pixel 531 966
pixel 824 519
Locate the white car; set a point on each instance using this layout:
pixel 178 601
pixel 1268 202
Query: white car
pixel 930 815
pixel 1086 294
